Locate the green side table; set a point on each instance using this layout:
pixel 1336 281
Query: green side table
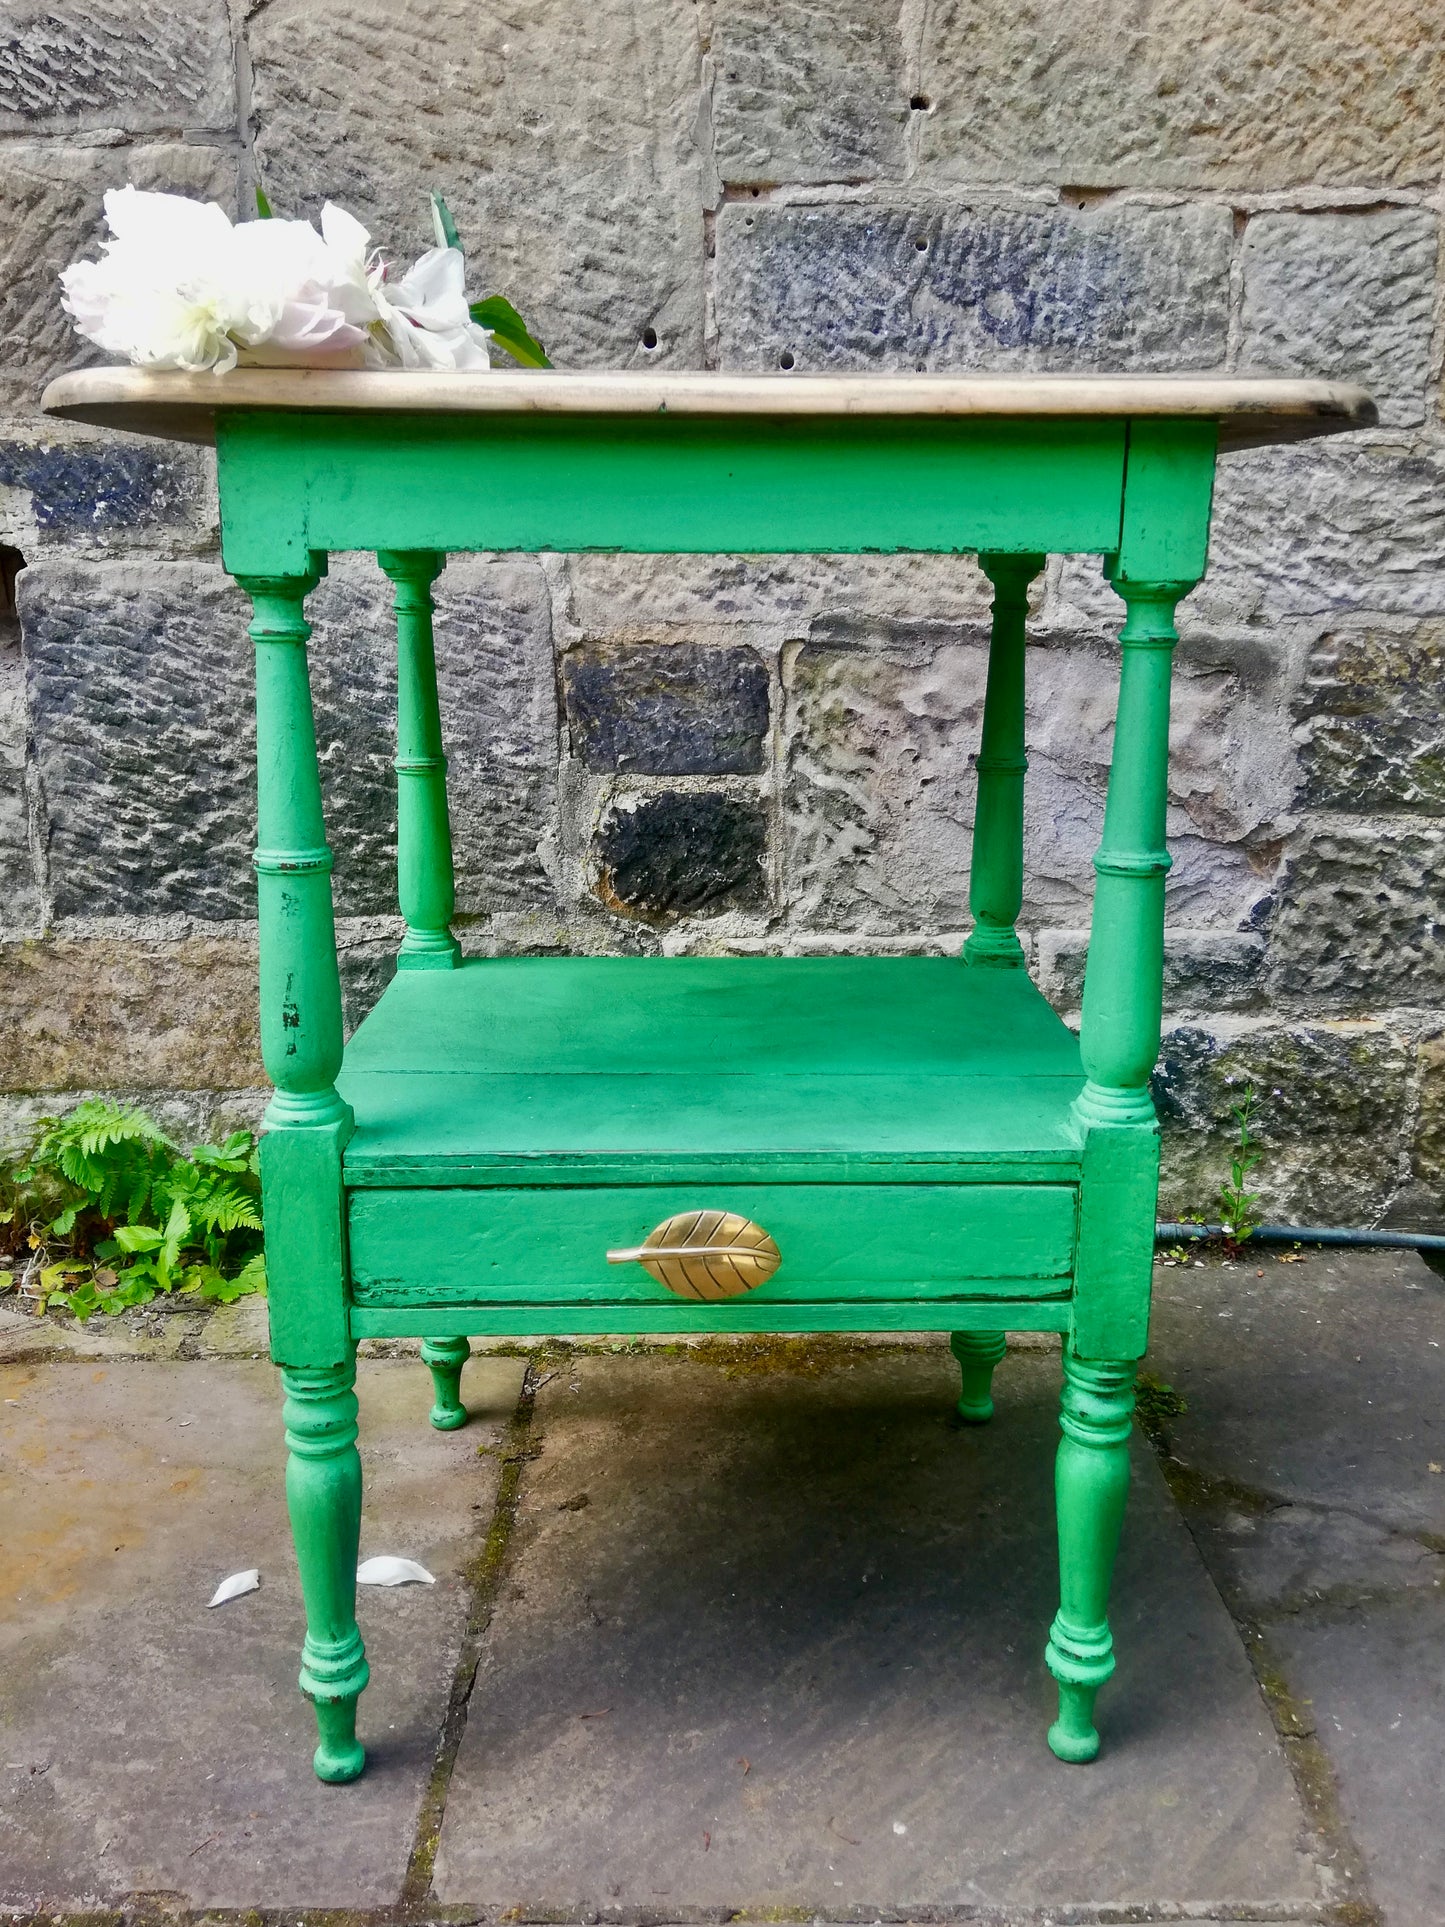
pixel 552 1144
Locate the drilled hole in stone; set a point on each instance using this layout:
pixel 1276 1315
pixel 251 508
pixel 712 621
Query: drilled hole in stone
pixel 785 359
pixel 921 244
pixel 649 337
pixel 920 103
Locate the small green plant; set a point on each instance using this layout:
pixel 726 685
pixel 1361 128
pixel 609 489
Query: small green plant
pixel 1236 1205
pixel 107 1212
pixel 1155 1403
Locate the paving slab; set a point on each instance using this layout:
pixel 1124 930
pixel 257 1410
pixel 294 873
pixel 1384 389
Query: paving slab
pixel 1374 1685
pixel 1320 1381
pixel 774 1640
pixel 150 1746
pixel 1313 1459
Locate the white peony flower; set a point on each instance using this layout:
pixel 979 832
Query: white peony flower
pixel 426 316
pixel 178 286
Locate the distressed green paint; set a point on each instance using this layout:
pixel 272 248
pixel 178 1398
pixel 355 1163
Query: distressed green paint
pixel 293 483
pixel 445 1359
pixel 503 1247
pixel 996 875
pixel 738 1316
pixel 304 1205
pixel 931 1147
pixel 424 883
pixel 300 984
pixel 1091 1482
pixel 1124 976
pixel 977 1353
pixel 1113 1270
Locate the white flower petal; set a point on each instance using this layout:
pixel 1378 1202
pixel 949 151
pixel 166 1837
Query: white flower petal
pixel 232 1588
pixel 387 1570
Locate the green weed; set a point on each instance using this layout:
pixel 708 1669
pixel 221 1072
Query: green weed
pixel 105 1212
pixel 1236 1205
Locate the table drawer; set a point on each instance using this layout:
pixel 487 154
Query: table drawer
pixel 549 1246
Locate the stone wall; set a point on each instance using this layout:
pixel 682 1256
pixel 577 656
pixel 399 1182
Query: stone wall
pixel 736 753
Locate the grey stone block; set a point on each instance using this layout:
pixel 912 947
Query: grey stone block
pixel 1184 93
pixel 1371 733
pixel 881 723
pixel 21 899
pixel 140 688
pixel 1359 924
pixel 568 147
pixel 50 215
pixel 1349 296
pixel 1326 530
pixel 849 286
pixel 1204 970
pixel 140 702
pixel 147 66
pixel 680 853
pixel 780 592
pixel 667 709
pixel 807 92
pixel 1329 1115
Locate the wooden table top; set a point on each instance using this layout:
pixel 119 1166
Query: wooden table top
pixel 1251 411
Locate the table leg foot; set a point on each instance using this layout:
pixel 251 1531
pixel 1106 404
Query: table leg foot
pixel 977 1354
pixel 339 1755
pixel 445 1358
pixel 1073 1736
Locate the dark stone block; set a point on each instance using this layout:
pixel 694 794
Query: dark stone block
pixel 974 287
pixel 680 853
pixel 667 709
pixel 86 490
pixel 1328 1117
pixel 1374 739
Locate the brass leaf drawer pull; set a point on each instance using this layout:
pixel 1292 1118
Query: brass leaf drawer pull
pixel 705 1254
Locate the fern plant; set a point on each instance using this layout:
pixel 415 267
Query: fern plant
pixel 112 1213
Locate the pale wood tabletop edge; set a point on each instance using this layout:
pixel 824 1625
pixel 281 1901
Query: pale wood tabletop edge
pixel 1251 410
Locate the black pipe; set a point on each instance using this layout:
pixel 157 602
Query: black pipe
pixel 1307 1234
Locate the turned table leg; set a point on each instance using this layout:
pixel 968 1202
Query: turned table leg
pixel 323 1493
pixel 996 871
pixel 424 873
pixel 977 1354
pixel 1091 1485
pixel 445 1357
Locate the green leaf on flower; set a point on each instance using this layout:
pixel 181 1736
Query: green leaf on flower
pixel 509 331
pixel 263 206
pixel 443 226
